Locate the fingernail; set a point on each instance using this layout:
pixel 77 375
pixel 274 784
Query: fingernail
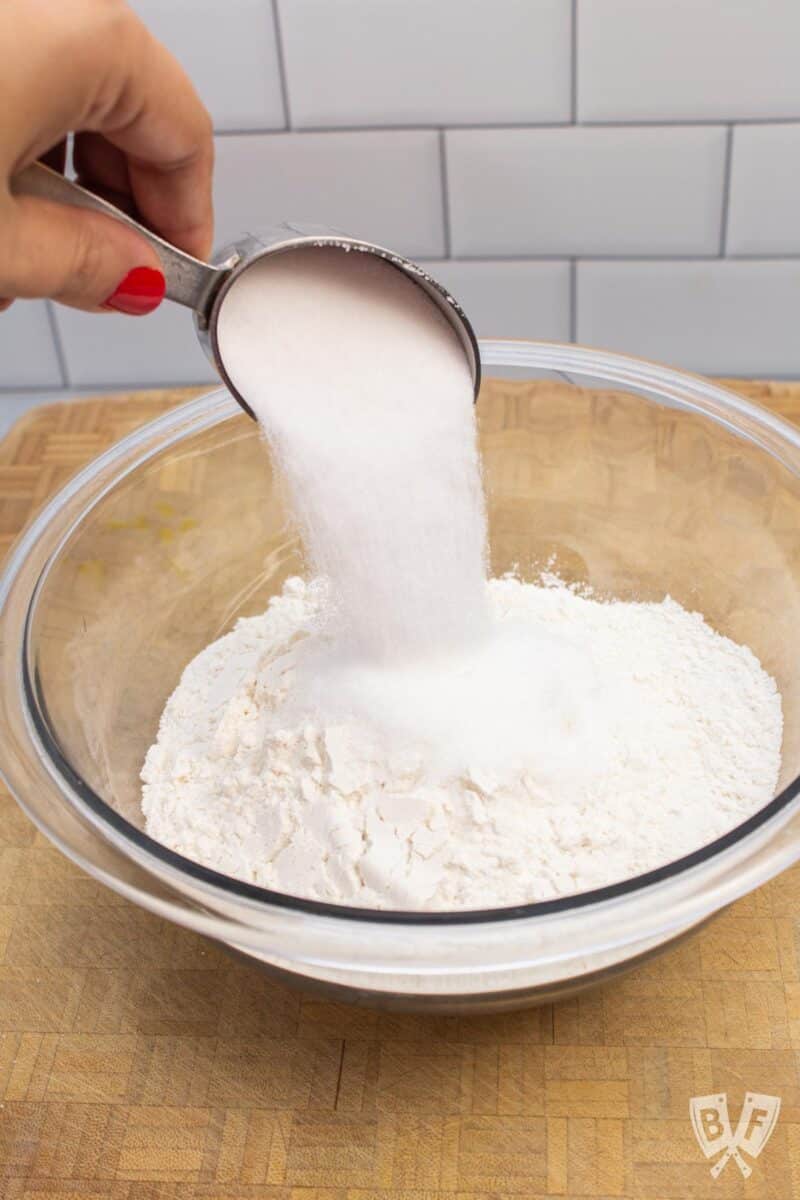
pixel 140 292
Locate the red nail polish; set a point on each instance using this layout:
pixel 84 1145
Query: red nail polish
pixel 140 292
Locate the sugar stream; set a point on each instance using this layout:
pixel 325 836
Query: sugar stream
pixel 365 395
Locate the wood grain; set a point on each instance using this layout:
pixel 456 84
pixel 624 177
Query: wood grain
pixel 138 1062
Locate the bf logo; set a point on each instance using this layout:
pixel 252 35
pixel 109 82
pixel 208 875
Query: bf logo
pixel 712 1127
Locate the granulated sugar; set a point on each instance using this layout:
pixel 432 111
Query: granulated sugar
pixel 602 739
pixel 365 396
pixel 397 733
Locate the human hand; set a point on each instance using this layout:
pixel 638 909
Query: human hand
pixel 142 137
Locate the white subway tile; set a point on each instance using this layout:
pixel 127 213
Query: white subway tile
pixel 585 191
pixel 736 317
pixel 414 62
pixel 230 52
pixel 384 187
pixel 764 212
pixel 511 299
pixel 27 352
pixel 107 348
pixel 654 60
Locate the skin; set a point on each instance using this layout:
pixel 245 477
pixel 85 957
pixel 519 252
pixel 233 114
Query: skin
pixel 142 137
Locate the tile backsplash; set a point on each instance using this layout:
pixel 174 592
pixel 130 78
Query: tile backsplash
pixel 624 173
pixel 384 185
pixel 426 62
pixel 576 191
pixel 687 60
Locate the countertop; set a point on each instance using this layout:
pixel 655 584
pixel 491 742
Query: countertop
pixel 138 1062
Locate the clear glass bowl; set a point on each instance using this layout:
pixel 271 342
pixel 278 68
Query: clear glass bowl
pixel 639 480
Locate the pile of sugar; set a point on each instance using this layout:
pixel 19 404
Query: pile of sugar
pixel 399 733
pixel 657 736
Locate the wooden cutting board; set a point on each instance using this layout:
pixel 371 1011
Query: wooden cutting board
pixel 138 1062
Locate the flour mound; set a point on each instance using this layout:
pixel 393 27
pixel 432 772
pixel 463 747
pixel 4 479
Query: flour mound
pixel 583 744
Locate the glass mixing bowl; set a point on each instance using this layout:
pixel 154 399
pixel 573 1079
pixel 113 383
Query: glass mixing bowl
pixel 636 479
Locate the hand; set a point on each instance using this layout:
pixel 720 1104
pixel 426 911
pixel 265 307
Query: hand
pixel 141 136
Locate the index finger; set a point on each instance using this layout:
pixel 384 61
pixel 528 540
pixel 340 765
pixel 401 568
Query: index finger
pixel 166 135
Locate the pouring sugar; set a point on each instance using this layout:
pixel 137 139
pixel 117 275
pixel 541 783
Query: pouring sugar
pixel 364 394
pixel 396 732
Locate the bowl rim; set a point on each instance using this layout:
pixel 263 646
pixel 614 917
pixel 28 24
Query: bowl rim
pixel 764 428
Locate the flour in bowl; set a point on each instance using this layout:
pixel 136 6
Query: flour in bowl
pixel 660 736
pixel 398 732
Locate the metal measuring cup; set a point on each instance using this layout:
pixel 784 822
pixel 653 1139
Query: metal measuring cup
pixel 203 286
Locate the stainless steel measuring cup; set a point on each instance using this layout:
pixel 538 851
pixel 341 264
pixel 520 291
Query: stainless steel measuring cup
pixel 203 286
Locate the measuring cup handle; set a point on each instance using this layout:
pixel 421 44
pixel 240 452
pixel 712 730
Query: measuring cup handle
pixel 189 281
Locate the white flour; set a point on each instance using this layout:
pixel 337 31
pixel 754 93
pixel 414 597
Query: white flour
pixel 404 735
pixel 659 736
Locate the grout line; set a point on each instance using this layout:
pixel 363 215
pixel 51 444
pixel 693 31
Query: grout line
pixel 573 51
pixel 477 126
pixel 254 131
pixel 282 74
pixel 653 257
pixel 726 194
pixel 114 385
pixel 762 257
pixel 490 258
pixel 445 195
pixel 566 256
pixel 55 333
pixel 573 299
pixel 638 123
pixel 433 127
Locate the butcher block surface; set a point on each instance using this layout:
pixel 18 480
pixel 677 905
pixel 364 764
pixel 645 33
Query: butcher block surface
pixel 139 1062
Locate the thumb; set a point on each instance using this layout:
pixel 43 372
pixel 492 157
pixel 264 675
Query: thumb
pixel 81 258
